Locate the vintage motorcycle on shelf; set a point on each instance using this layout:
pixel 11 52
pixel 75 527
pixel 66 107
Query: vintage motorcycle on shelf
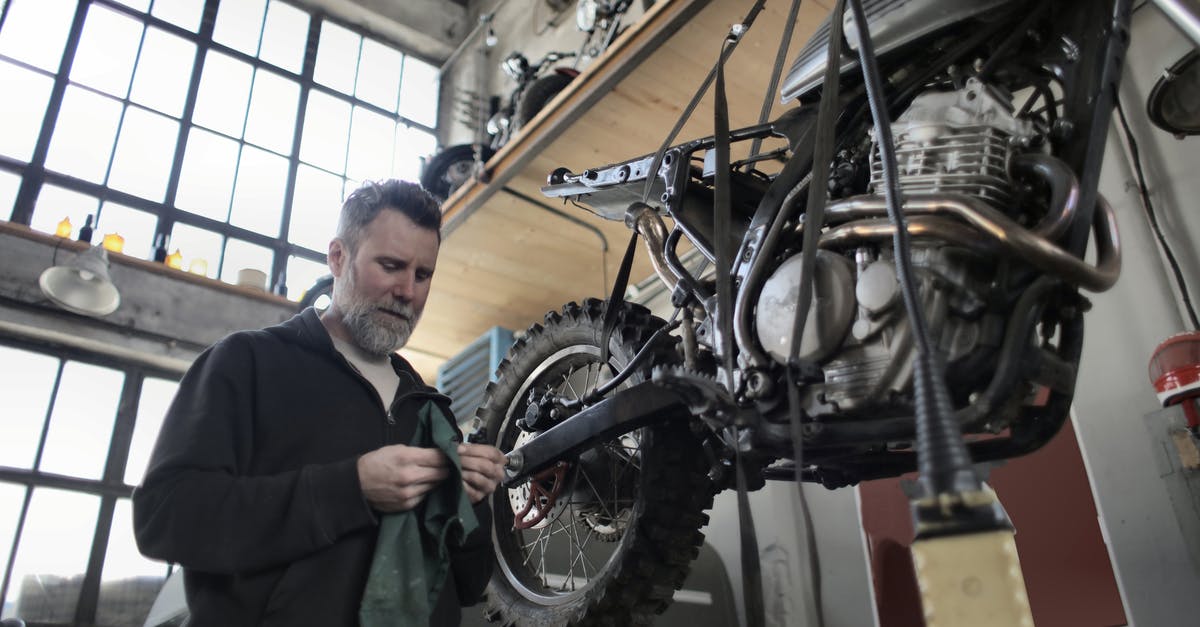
pixel 621 426
pixel 536 85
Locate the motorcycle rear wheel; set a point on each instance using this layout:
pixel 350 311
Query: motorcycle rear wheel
pixel 623 534
pixel 540 92
pixel 452 168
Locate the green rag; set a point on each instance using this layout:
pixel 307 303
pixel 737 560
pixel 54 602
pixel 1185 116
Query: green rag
pixel 411 559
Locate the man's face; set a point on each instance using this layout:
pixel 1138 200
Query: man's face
pixel 380 291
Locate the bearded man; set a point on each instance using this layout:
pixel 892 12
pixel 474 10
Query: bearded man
pixel 286 447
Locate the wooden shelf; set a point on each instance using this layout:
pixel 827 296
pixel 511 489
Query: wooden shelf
pixel 506 261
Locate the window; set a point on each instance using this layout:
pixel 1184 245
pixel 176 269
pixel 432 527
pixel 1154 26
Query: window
pixel 21 112
pixel 35 31
pixel 62 415
pixel 26 388
pixel 204 131
pixel 51 557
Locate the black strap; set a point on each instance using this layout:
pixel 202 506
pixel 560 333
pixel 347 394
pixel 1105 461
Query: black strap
pixel 726 51
pixel 752 590
pixel 780 58
pixel 616 300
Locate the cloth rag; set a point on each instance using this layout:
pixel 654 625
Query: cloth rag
pixel 411 559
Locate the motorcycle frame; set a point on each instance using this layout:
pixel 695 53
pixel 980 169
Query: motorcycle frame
pixel 1089 71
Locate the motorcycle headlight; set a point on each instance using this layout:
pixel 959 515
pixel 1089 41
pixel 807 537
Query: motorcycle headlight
pixel 515 65
pixel 585 15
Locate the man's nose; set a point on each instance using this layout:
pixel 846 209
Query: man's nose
pixel 402 288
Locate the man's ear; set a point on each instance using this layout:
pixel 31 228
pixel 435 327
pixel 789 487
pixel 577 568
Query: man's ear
pixel 337 258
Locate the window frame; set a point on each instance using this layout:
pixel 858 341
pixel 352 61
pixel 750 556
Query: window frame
pixel 34 174
pixel 110 488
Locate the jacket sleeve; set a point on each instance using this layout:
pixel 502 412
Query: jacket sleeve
pixel 198 507
pixel 471 563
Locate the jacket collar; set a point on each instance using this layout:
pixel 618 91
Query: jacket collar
pixel 306 329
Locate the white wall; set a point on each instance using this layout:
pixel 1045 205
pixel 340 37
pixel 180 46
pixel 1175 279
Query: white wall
pixel 1158 582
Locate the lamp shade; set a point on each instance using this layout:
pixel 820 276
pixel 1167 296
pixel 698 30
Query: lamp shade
pixel 83 286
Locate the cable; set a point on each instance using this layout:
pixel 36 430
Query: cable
pixel 942 458
pixel 1148 208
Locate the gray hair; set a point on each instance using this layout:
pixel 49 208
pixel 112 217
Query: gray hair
pixel 365 203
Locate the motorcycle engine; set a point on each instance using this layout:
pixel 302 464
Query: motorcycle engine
pixel 946 142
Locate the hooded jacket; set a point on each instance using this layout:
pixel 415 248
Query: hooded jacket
pixel 253 483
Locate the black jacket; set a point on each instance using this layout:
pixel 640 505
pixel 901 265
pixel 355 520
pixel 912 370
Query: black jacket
pixel 253 484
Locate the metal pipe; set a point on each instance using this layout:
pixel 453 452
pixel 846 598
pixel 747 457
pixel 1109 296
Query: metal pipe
pixel 1064 191
pixel 485 20
pixel 1010 236
pixel 650 226
pixel 1184 14
pixel 925 227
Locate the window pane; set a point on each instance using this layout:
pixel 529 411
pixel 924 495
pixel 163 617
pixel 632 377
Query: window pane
pixel 206 181
pixel 272 120
pixel 224 91
pixel 379 74
pixel 326 127
pixel 129 582
pixel 419 92
pixel 145 151
pixel 197 245
pixel 371 139
pixel 25 387
pixel 259 194
pixel 152 407
pixel 337 56
pixel 55 544
pixel 55 203
pixel 82 421
pixel 411 145
pixel 11 498
pixel 301 274
pixel 182 13
pixel 35 31
pixel 164 71
pixel 9 184
pixel 285 36
pixel 239 23
pixel 241 254
pixel 83 135
pixel 137 227
pixel 107 50
pixel 22 109
pixel 315 206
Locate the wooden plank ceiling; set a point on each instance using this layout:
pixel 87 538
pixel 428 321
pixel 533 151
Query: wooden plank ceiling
pixel 506 262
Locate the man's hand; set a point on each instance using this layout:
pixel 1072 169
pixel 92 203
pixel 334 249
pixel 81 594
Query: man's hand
pixel 395 478
pixel 482 469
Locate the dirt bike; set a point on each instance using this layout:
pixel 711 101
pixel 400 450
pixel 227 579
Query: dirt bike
pixel 536 84
pixel 824 343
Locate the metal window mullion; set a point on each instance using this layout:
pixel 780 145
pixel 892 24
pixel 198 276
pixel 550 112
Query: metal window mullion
pixel 114 474
pixel 374 108
pixel 31 183
pixel 41 446
pixel 89 589
pixel 16 542
pixel 284 246
pixel 167 217
pixel 147 18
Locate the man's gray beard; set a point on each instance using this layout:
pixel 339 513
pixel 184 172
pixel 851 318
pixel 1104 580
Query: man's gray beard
pixel 361 318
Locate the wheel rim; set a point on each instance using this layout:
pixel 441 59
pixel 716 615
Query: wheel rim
pixel 458 173
pixel 560 559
